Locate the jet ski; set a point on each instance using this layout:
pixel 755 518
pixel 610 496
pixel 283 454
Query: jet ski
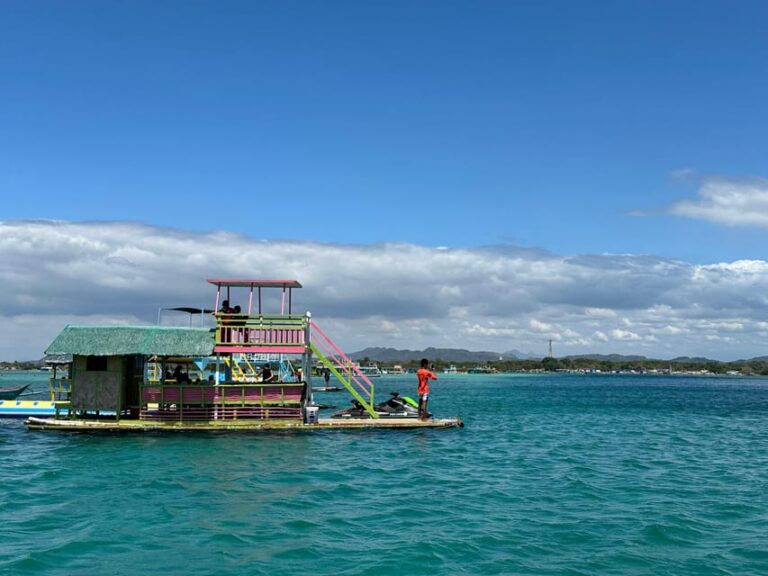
pixel 395 407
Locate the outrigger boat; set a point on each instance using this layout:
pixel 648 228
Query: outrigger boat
pixel 58 387
pixel 12 393
pixel 250 371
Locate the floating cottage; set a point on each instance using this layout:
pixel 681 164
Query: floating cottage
pixel 251 371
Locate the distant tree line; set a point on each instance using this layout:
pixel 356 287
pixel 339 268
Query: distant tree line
pixel 26 365
pixel 549 364
pixel 756 366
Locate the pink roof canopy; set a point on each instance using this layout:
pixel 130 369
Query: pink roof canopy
pixel 255 283
pixel 259 284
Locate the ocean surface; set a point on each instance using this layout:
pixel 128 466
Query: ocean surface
pixel 558 475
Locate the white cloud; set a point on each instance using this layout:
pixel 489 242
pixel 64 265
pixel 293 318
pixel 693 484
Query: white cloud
pixel 599 313
pixel 728 201
pixel 619 334
pixel 400 295
pixel 537 326
pixel 674 330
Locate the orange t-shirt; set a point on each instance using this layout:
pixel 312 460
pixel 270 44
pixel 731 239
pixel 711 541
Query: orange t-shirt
pixel 424 377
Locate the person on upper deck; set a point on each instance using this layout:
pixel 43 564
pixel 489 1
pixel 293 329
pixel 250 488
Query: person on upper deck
pixel 225 334
pixel 241 333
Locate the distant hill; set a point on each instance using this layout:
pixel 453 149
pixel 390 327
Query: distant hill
pixel 608 357
pixel 516 354
pixel 380 354
pixel 631 358
pixel 694 360
pixel 444 354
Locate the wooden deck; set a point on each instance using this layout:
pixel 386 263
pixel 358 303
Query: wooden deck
pixel 110 425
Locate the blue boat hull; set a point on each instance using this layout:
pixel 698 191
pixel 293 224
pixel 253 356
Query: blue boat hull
pixel 26 408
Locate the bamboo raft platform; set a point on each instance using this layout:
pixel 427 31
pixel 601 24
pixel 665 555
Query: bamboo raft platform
pixel 111 425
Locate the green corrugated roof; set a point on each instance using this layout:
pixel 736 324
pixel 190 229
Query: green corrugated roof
pixel 124 340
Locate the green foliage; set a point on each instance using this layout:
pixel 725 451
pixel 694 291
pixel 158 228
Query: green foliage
pixel 585 364
pixel 551 364
pixel 16 365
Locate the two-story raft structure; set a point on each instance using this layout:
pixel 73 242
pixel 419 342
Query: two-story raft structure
pixel 251 370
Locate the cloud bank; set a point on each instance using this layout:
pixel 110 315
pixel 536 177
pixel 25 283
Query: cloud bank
pixel 728 201
pixel 400 295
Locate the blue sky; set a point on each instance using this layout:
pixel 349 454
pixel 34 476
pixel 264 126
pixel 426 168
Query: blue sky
pixel 446 123
pixel 570 128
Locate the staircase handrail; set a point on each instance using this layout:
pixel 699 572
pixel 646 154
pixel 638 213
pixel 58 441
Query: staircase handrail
pixel 366 404
pixel 346 363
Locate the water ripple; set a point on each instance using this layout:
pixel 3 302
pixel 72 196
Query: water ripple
pixel 552 475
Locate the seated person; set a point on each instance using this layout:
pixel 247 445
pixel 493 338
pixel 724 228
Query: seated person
pixel 266 374
pixel 180 376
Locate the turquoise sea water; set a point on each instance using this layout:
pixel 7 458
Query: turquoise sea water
pixel 552 475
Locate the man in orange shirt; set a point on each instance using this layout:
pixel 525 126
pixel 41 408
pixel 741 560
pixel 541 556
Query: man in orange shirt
pixel 424 375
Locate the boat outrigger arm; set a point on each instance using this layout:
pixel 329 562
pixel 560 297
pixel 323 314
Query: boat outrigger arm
pixel 368 405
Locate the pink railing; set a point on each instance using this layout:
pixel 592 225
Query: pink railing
pixel 341 361
pixel 224 413
pixel 225 402
pixel 248 331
